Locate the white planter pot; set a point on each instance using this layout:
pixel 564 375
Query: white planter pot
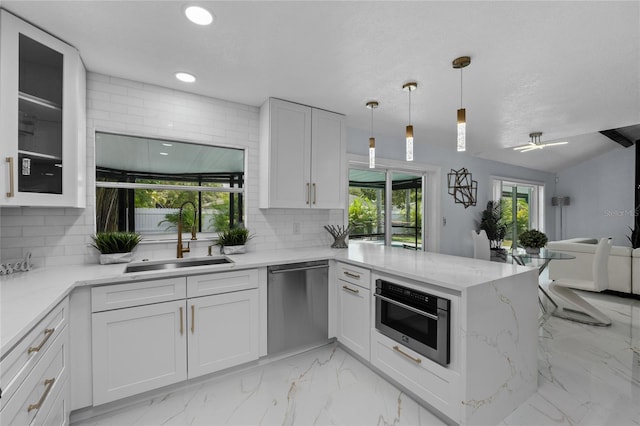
pixel 234 249
pixel 107 259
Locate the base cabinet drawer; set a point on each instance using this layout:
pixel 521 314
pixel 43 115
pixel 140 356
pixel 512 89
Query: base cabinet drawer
pixel 58 412
pixel 353 274
pixel 19 362
pixel 436 385
pixel 36 396
pixel 138 349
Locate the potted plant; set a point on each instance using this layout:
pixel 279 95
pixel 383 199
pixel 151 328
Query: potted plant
pixel 233 240
pixel 492 223
pixel 533 240
pixel 115 247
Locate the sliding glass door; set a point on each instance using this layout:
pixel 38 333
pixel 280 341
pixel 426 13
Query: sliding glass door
pixel 386 206
pixel 522 207
pixel 406 210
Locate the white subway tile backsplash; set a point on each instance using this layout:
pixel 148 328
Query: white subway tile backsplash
pixel 61 236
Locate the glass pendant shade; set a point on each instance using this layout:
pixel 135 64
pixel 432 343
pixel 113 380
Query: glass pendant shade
pixel 409 143
pixel 372 153
pixel 462 130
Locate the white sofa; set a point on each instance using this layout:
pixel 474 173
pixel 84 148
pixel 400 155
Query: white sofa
pixel 620 260
pixel 635 271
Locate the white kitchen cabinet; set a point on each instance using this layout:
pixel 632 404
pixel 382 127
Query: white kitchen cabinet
pixel 42 118
pixel 354 304
pixel 44 387
pixel 302 157
pixel 138 349
pixel 223 331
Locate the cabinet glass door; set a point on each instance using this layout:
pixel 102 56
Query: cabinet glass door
pixel 39 118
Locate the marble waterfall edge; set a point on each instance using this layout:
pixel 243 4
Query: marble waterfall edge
pixel 501 368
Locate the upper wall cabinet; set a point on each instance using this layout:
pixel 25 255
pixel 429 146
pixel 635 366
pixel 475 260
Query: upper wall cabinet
pixel 302 157
pixel 42 118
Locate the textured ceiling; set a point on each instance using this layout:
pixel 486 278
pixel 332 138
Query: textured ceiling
pixel 567 69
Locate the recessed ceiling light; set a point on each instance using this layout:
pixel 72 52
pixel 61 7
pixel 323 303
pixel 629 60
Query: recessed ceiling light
pixel 198 15
pixel 185 77
pixel 164 153
pixel 166 144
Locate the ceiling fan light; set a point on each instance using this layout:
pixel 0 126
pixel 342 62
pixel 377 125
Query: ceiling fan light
pixel 462 130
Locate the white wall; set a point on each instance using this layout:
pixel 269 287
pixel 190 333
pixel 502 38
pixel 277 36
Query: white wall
pixel 455 237
pixel 61 236
pixel 602 197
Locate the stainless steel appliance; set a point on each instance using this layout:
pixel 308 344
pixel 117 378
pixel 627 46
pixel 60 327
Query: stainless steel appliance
pixel 418 320
pixel 298 303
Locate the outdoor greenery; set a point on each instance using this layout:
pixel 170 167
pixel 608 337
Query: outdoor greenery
pixel 115 242
pixel 533 238
pixel 492 223
pixel 522 214
pixel 235 236
pixel 363 216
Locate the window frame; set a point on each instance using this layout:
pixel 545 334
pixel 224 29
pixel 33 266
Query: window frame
pixel 169 236
pixel 431 195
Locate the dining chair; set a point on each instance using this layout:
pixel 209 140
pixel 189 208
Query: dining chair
pixel 573 303
pixel 481 246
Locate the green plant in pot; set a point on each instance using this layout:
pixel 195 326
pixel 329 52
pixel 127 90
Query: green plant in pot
pixel 533 240
pixel 115 247
pixel 492 223
pixel 233 240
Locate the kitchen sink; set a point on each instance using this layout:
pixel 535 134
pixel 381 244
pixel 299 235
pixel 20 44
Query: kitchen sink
pixel 176 263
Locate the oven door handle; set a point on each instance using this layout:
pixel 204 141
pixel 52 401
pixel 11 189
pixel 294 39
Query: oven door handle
pixel 410 308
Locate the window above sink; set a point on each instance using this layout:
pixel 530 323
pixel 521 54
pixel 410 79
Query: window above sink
pixel 142 182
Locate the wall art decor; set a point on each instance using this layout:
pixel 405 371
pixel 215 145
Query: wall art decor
pixel 462 187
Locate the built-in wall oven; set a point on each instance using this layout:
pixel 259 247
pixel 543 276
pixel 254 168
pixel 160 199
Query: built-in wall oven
pixel 418 320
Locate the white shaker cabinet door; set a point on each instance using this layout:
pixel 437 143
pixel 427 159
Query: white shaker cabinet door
pixel 138 349
pixel 328 167
pixel 354 326
pixel 223 331
pixel 285 166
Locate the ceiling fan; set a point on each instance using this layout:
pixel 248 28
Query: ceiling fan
pixel 535 143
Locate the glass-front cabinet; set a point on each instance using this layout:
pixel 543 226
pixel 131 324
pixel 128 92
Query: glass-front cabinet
pixel 42 118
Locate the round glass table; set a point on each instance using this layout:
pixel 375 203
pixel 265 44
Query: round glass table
pixel 521 257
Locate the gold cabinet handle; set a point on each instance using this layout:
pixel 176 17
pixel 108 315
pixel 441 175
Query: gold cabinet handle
pixel 351 274
pixel 308 193
pixel 356 291
pixel 406 355
pixel 10 161
pixel 47 333
pixel 315 194
pixel 193 319
pixel 181 321
pixel 49 384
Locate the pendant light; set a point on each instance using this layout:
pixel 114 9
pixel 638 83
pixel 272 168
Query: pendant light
pixel 409 87
pixel 372 141
pixel 460 63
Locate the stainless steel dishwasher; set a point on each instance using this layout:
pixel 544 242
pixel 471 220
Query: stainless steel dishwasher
pixel 297 310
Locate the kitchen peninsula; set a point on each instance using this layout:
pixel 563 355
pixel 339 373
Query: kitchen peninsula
pixel 493 317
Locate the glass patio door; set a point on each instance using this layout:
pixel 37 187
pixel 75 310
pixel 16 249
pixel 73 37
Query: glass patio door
pixel 522 208
pixel 406 210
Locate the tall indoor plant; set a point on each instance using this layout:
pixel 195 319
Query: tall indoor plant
pixel 492 223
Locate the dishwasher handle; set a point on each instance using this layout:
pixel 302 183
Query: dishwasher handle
pixel 302 268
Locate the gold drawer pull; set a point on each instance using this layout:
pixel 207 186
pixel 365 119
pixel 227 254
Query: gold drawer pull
pixel 49 384
pixel 47 333
pixel 193 319
pixel 181 321
pixel 10 161
pixel 352 275
pixel 356 291
pixel 406 355
pixel 315 193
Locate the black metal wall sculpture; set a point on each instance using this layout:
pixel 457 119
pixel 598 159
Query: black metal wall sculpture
pixel 463 188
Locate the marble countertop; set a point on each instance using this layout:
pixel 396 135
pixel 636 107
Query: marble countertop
pixel 26 297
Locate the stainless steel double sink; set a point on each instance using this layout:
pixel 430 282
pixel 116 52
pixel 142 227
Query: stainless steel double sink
pixel 159 265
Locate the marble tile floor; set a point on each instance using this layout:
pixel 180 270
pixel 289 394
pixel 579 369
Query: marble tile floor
pixel 587 376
